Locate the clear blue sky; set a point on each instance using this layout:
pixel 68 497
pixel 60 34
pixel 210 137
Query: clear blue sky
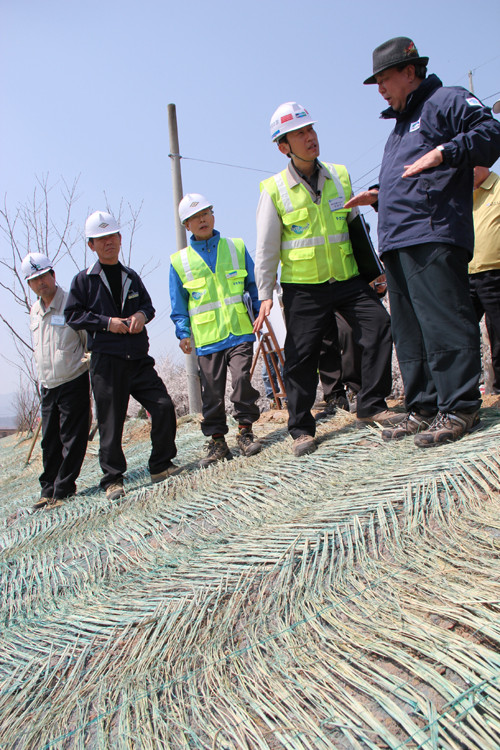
pixel 86 87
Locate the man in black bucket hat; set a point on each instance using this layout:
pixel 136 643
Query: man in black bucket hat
pixel 426 238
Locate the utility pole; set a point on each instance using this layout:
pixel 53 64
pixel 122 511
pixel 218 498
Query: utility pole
pixel 471 83
pixel 193 378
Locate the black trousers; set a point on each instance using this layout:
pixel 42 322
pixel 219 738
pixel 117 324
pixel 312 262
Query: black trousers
pixel 339 360
pixel 309 313
pixel 65 431
pixel 213 373
pixel 485 295
pixel 434 327
pixel 114 380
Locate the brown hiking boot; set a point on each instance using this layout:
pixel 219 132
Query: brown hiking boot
pixel 303 445
pixel 170 471
pixel 386 418
pixel 411 424
pixel 41 503
pixel 446 427
pixel 247 443
pixel 54 502
pixel 217 450
pixel 115 491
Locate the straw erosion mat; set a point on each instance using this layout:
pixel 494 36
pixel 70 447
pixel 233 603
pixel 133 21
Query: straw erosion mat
pixel 348 599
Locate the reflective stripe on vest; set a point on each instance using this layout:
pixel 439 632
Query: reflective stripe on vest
pixel 315 244
pixel 222 310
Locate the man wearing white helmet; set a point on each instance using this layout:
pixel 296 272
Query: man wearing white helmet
pixel 301 221
pixel 63 374
pixel 207 282
pixel 111 303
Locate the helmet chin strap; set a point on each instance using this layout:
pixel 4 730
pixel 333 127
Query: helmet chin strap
pixel 300 157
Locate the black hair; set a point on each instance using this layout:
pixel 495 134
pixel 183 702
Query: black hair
pixel 420 69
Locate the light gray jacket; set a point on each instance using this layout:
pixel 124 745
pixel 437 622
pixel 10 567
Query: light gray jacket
pixel 58 349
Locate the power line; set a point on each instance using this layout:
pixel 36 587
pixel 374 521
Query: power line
pixel 224 164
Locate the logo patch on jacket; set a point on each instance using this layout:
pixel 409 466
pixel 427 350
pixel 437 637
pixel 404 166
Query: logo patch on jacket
pixel 133 295
pixel 198 295
pixel 296 229
pixel 414 126
pixel 473 102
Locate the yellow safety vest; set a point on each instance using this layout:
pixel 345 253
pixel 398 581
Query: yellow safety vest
pixel 315 245
pixel 215 306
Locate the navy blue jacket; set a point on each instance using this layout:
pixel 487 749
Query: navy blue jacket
pixel 436 205
pixel 90 306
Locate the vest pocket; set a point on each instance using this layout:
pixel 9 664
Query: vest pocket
pixel 204 318
pixel 235 280
pixel 204 328
pixel 197 288
pixel 297 221
pixel 244 323
pixel 301 253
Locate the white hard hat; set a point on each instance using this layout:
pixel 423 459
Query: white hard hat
pixel 191 204
pixel 496 107
pixel 35 264
pixel 289 116
pixel 99 224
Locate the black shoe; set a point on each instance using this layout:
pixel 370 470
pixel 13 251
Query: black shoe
pixel 217 450
pixel 247 443
pixel 331 405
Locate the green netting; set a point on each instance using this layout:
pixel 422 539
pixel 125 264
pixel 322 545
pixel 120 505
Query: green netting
pixel 348 599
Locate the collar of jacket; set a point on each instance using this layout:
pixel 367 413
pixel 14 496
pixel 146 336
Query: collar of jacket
pixel 294 177
pixel 426 88
pixel 201 245
pixel 96 269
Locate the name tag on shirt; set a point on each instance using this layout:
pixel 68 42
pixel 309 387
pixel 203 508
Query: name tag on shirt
pixel 336 204
pixel 57 320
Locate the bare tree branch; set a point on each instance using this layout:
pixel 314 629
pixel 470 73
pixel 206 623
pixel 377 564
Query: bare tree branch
pixel 31 227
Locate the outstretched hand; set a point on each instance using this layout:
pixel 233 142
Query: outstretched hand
pixel 365 198
pixel 431 159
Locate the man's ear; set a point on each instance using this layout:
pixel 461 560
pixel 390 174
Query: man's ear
pixel 90 243
pixel 284 147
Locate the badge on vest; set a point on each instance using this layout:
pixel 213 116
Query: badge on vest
pixel 57 320
pixel 296 229
pixel 231 274
pixel 336 204
pixel 198 295
pixel 415 126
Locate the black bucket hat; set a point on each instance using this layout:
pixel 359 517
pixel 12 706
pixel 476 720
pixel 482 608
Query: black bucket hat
pixel 396 51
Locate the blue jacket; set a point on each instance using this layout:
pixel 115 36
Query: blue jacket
pixel 90 306
pixel 179 297
pixel 436 205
